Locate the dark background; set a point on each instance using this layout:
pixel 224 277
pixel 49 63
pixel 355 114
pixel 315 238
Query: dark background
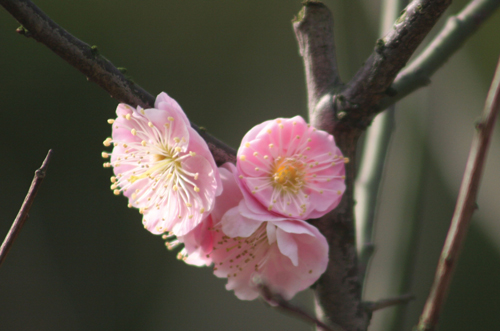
pixel 83 260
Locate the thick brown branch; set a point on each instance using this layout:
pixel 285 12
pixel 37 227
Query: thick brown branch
pixel 314 31
pixel 25 208
pixel 371 82
pixel 338 291
pixel 466 204
pixel 93 65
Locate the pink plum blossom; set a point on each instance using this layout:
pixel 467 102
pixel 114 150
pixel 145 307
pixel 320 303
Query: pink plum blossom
pixel 163 166
pixel 291 168
pixel 198 243
pixel 286 255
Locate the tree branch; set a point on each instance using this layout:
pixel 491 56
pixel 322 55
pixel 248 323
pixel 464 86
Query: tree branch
pixel 453 35
pixel 96 67
pixel 371 82
pixel 385 303
pixel 338 291
pixel 466 204
pixel 25 208
pixel 275 299
pixel 314 31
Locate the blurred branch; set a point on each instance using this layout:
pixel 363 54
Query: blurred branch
pixel 25 208
pixel 93 65
pixel 453 35
pixel 466 204
pixel 373 158
pixel 275 299
pixel 385 303
pixel 391 53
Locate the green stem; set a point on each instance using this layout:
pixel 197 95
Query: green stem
pixel 373 158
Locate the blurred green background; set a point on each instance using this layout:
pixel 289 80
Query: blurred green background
pixel 83 260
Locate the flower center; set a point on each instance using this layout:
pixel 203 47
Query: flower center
pixel 158 157
pixel 289 174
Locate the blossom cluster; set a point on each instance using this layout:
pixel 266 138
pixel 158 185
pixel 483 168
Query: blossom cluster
pixel 250 220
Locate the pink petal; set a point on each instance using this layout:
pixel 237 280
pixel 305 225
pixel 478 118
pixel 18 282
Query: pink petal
pixel 165 102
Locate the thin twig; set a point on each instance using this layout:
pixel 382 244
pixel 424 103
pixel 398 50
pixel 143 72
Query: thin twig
pixel 453 35
pixel 373 158
pixel 466 204
pixel 385 303
pixel 95 66
pixel 22 215
pixel 274 299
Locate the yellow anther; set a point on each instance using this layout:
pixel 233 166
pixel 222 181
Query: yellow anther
pixel 169 176
pixel 175 188
pixel 333 164
pixel 170 118
pixel 127 116
pixel 178 149
pixel 309 140
pixel 202 210
pixel 270 207
pixel 266 157
pixel 143 143
pixel 297 137
pixel 150 124
pixel 133 131
pixel 113 179
pixel 278 120
pixel 243 157
pixel 247 145
pixel 271 145
pixel 346 160
pixel 339 192
pixel 281 126
pixel 116 192
pixel 196 189
pixel 257 169
pixel 106 165
pixel 192 153
pixel 107 142
pixel 188 204
pixel 129 205
pixel 294 123
pixel 142 112
pixel 196 175
pixel 111 121
pixel 114 186
pixel 343 177
pixel 269 131
pixel 241 176
pixel 176 139
pixel 104 155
